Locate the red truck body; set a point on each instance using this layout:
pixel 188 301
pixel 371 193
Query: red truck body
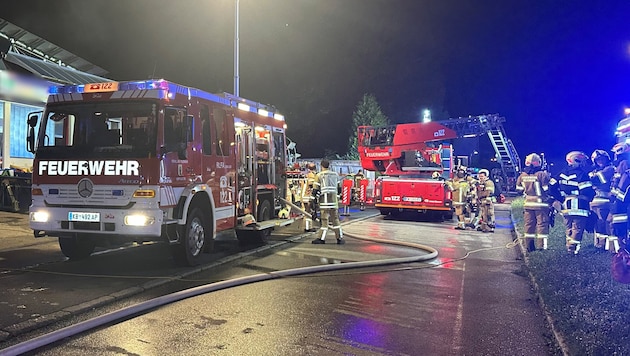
pixel 414 161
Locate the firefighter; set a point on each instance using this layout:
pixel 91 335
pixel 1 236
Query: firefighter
pixel 533 182
pixel 620 197
pixel 575 191
pixel 357 189
pixel 460 185
pixel 308 201
pixel 485 194
pixel 325 189
pixel 601 178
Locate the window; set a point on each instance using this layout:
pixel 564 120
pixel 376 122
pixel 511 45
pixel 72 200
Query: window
pixel 112 130
pixel 206 130
pixel 19 114
pixel 222 132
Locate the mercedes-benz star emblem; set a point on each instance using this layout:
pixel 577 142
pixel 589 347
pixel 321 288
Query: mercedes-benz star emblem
pixel 85 188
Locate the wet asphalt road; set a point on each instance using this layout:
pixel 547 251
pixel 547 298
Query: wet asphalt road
pixel 479 305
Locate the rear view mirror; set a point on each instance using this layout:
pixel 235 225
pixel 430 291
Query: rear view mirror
pixel 30 136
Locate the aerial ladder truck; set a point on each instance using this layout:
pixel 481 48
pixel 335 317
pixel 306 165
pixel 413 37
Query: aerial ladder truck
pixel 415 160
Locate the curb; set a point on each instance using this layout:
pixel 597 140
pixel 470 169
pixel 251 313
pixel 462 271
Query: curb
pixel 557 335
pixel 40 321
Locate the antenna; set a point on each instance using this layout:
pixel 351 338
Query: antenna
pixel 154 68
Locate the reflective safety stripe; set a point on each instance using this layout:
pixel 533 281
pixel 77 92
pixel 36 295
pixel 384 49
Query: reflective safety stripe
pixel 542 236
pixel 585 185
pixel 532 204
pixel 600 201
pixel 619 218
pixel 566 177
pixel 529 235
pixel 575 212
pixel 602 178
pixel 537 188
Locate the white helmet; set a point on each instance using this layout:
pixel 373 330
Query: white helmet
pixel 577 158
pixel 484 171
pixel 533 159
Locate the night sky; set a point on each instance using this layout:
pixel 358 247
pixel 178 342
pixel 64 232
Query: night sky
pixel 557 70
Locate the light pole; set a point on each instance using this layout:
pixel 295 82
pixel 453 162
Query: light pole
pixel 236 8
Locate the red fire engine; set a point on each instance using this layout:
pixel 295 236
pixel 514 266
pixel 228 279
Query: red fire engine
pixel 416 158
pixel 151 160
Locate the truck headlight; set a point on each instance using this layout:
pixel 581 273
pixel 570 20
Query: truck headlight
pixel 39 216
pixel 139 220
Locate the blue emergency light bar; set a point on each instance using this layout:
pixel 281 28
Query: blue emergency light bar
pixel 110 86
pixel 161 84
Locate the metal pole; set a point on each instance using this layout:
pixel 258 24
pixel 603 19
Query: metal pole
pixel 236 54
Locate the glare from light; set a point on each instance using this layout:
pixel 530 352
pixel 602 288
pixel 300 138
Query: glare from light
pixel 243 106
pixel 139 220
pixel 426 115
pixel 263 112
pixel 278 117
pixel 40 216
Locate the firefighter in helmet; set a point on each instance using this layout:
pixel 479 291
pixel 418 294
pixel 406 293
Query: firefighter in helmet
pixel 620 190
pixel 461 186
pixel 325 188
pixel 533 182
pixel 485 194
pixel 575 192
pixel 308 201
pixel 601 177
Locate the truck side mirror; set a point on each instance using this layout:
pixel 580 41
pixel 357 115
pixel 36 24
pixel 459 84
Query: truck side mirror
pixel 30 136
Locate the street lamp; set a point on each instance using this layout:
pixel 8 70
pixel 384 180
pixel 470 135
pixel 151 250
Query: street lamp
pixel 426 115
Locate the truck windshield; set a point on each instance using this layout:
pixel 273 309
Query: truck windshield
pixel 98 130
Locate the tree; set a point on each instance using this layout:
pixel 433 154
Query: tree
pixel 368 112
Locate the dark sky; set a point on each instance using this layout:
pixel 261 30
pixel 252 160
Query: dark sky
pixel 557 70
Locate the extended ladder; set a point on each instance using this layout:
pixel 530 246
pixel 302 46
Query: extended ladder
pixel 492 125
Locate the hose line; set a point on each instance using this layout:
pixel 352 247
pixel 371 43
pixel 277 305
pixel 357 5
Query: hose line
pixel 141 308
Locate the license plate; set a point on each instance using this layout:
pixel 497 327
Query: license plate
pixel 413 199
pixel 82 216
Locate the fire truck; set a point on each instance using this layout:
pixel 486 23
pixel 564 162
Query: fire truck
pixel 415 160
pixel 139 161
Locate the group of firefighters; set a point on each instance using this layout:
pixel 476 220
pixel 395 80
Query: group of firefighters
pixel 473 199
pixel 591 193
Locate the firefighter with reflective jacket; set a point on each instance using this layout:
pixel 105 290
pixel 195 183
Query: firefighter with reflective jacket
pixel 533 182
pixel 308 201
pixel 485 194
pixel 325 188
pixel 461 187
pixel 621 198
pixel 601 177
pixel 575 191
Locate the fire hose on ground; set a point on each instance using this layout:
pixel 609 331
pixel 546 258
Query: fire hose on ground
pixel 141 308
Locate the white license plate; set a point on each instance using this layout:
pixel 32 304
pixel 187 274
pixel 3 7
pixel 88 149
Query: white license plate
pixel 413 199
pixel 82 216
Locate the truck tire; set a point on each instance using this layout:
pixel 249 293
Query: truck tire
pixel 77 247
pixel 195 236
pixel 265 212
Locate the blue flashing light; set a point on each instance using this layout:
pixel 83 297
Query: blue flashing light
pixel 118 192
pixel 53 191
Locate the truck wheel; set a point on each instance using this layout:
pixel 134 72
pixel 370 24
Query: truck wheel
pixel 76 248
pixel 264 214
pixel 195 235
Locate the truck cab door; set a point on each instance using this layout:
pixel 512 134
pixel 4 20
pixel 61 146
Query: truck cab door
pixel 176 134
